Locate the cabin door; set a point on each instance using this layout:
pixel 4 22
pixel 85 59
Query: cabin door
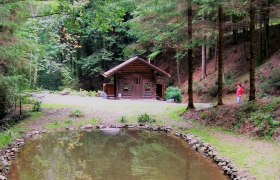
pixel 137 86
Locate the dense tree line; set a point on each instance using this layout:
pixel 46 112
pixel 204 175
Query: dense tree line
pixel 66 43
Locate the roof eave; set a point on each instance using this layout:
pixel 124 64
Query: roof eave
pixel 108 74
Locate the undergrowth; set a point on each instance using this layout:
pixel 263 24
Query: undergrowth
pixel 5 138
pixel 123 119
pixel 257 118
pixel 146 118
pixel 261 117
pixel 76 113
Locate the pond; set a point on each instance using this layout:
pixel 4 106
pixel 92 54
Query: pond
pixel 125 155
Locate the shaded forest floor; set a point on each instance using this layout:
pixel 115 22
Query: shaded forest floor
pixel 258 157
pixel 236 70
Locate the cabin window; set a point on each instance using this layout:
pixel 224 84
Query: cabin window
pixel 125 87
pixel 147 86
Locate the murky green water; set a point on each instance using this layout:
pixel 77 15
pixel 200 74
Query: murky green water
pixel 130 155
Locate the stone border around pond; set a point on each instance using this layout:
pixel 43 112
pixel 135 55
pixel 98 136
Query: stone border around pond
pixel 9 153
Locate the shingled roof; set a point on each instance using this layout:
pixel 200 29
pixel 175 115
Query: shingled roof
pixel 131 60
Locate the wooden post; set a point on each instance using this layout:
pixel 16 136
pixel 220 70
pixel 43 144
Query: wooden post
pixel 115 86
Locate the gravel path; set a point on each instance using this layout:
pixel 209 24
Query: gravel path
pixel 108 111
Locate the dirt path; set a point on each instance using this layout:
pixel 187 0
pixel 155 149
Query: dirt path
pixel 108 112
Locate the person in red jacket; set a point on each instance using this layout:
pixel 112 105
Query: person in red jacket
pixel 239 93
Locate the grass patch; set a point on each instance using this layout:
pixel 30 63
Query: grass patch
pixel 123 119
pixel 13 131
pixel 76 113
pixel 93 121
pixel 59 124
pixel 57 106
pixel 224 148
pixel 34 115
pixel 241 150
pixel 146 118
pixel 176 113
pixel 5 139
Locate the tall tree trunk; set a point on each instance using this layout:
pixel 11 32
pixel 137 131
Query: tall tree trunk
pixel 252 95
pixel 203 57
pixel 178 69
pixel 35 75
pixel 208 53
pixel 261 36
pixel 78 57
pixel 20 101
pixel 216 56
pixel 190 58
pixel 266 27
pixel 234 31
pixel 220 56
pixel 203 62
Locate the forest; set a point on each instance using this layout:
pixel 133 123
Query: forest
pixel 61 44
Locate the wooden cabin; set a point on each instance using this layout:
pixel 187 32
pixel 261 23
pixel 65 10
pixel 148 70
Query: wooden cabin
pixel 136 79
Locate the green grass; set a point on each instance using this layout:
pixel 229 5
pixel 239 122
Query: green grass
pixel 275 22
pixel 225 149
pixel 93 121
pixel 240 150
pixel 5 139
pixel 176 113
pixel 7 136
pixel 59 124
pixel 35 115
pixel 57 106
pixel 76 113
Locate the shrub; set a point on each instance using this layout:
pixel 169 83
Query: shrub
pixel 275 78
pixel 92 93
pixel 146 118
pixel 37 106
pixel 203 115
pixel 5 138
pixel 240 118
pixel 265 123
pixel 76 113
pixel 4 101
pixel 198 90
pixel 123 119
pixel 184 89
pixel 249 107
pixel 213 91
pixel 173 93
pixel 230 89
pixel 68 121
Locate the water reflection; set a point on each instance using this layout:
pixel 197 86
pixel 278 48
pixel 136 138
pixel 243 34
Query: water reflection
pixel 129 155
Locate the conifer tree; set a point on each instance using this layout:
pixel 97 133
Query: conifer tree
pixel 252 94
pixel 220 55
pixel 190 57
